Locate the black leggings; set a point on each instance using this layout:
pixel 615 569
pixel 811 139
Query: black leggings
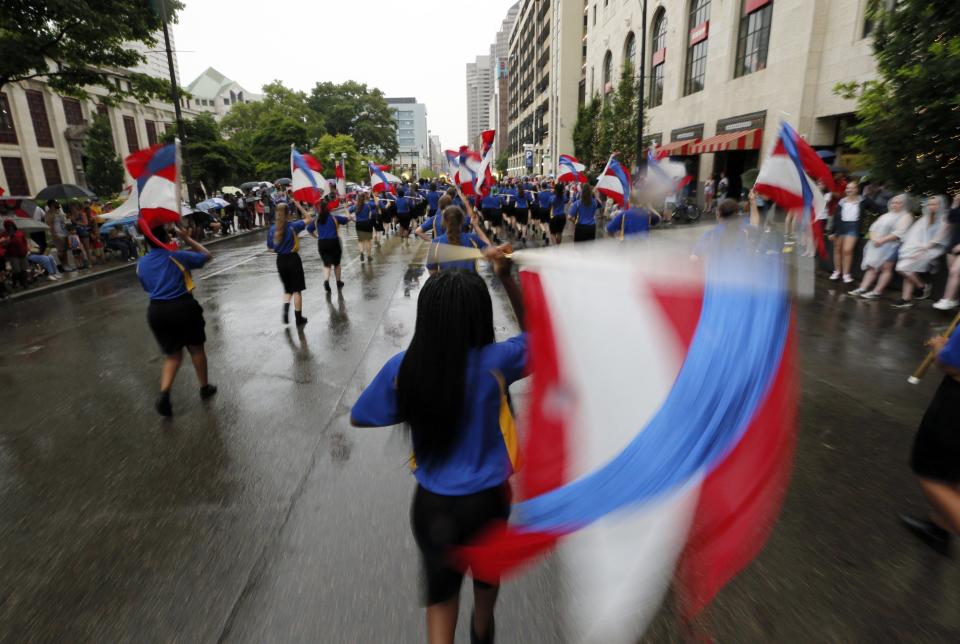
pixel 440 523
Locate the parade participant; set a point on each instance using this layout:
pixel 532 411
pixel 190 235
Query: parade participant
pixel 365 213
pixel 433 200
pixel 283 239
pixel 509 198
pixel 583 214
pixel 434 224
pixel 404 206
pixel 521 213
pixel 880 253
pixel 175 318
pixel 558 217
pixel 326 228
pixel 632 221
pixel 732 232
pixel 924 242
pixel 453 223
pixel 491 206
pixel 450 388
pixel 936 453
pixel 544 201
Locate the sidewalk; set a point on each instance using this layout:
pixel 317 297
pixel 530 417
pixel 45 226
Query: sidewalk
pixel 43 285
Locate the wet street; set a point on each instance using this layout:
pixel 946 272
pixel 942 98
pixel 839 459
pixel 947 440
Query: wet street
pixel 262 516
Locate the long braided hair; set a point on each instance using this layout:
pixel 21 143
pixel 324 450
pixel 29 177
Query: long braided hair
pixel 280 225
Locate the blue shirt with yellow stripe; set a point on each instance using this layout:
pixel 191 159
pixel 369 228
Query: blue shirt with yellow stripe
pixel 328 229
pixel 165 274
pixel 467 240
pixel 291 240
pixel 487 451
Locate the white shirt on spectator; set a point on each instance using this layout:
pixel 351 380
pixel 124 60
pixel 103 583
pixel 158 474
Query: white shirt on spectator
pixel 850 210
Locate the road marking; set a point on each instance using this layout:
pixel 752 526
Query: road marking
pixel 232 266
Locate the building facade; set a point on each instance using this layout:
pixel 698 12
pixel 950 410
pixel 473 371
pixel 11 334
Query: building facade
pixel 216 94
pixel 479 91
pixel 436 160
pixel 499 106
pixel 412 135
pixel 43 134
pixel 721 74
pixel 545 62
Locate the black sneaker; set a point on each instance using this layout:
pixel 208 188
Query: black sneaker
pixel 476 639
pixel 163 405
pixel 902 304
pixel 339 285
pixel 928 532
pixel 326 287
pixel 207 392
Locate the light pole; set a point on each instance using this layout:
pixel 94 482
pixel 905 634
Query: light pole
pixel 641 158
pixel 175 95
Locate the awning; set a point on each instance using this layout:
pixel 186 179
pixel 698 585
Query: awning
pixel 678 148
pixel 742 140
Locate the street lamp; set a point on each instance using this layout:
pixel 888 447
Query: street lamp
pixel 641 159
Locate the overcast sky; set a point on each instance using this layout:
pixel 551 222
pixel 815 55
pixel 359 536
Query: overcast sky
pixel 418 48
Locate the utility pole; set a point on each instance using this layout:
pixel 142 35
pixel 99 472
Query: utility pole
pixel 641 157
pixel 175 95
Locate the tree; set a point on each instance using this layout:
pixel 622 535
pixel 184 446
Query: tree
pixel 213 161
pixel 103 167
pixel 623 137
pixel 503 162
pixel 585 132
pixel 75 44
pixel 351 108
pixel 605 132
pixel 908 117
pixel 337 145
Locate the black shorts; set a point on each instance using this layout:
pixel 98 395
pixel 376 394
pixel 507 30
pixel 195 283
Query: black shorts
pixel 290 268
pixel 494 216
pixel 365 226
pixel 584 232
pixel 521 214
pixel 557 224
pixel 936 449
pixel 441 523
pixel 331 251
pixel 177 323
pixel 404 220
pixel 541 214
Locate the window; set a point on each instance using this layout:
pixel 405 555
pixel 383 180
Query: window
pixel 130 127
pixel 16 176
pixel 698 29
pixel 8 132
pixel 151 132
pixel 51 171
pixel 594 15
pixel 658 57
pixel 754 39
pixel 72 111
pixel 607 74
pixel 38 114
pixel 869 15
pixel 630 51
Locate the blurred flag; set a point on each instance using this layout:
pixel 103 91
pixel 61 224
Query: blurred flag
pixel 156 171
pixel 663 178
pixel 614 181
pixel 671 468
pixel 380 180
pixel 307 183
pixel 341 178
pixel 571 170
pixel 453 162
pixel 484 179
pixel 468 169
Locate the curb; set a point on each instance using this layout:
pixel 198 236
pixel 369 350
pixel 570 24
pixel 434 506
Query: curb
pixel 113 270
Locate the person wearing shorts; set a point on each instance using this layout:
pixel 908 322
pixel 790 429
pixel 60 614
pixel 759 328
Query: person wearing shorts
pixel 463 436
pixel 491 207
pixel 583 212
pixel 326 228
pixel 283 239
pixel 365 213
pixel 174 316
pixel 558 217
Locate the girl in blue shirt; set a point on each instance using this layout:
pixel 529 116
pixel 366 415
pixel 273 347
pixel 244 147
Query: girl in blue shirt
pixel 326 228
pixel 450 387
pixel 633 221
pixel 544 203
pixel 521 213
pixel 583 213
pixel 454 235
pixel 558 219
pixel 175 318
pixel 283 239
pixel 365 212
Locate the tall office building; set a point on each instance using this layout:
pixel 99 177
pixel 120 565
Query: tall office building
pixel 499 101
pixel 412 136
pixel 479 89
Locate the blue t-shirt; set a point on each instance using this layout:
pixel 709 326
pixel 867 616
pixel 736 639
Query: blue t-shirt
pixel 327 230
pixel 950 355
pixel 467 240
pixel 719 238
pixel 365 213
pixel 403 205
pixel 585 213
pixel 490 202
pixel 523 199
pixel 434 223
pixel 635 221
pixel 290 242
pixel 545 199
pixel 165 274
pixel 433 199
pixel 487 451
pixel 559 205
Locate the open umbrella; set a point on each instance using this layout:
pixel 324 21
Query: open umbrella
pixel 230 190
pixel 838 169
pixel 211 204
pixel 250 185
pixel 119 223
pixel 283 182
pixel 827 155
pixel 64 191
pixel 26 225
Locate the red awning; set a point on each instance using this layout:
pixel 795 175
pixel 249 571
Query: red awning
pixel 679 148
pixel 742 140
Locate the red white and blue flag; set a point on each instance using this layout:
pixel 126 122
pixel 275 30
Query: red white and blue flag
pixel 664 177
pixel 453 162
pixel 484 179
pixel 672 468
pixel 306 181
pixel 571 170
pixel 788 178
pixel 614 181
pixel 341 178
pixel 157 173
pixel 468 169
pixel 380 179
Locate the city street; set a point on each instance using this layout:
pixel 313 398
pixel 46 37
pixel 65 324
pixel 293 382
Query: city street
pixel 262 516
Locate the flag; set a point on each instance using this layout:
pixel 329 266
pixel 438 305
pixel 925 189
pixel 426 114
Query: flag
pixel 484 177
pixel 673 466
pixel 614 181
pixel 788 178
pixel 307 183
pixel 468 164
pixel 664 177
pixel 571 170
pixel 379 179
pixel 453 162
pixel 156 171
pixel 341 178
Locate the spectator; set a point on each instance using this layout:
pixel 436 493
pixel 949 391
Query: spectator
pixel 923 243
pixel 119 242
pixel 46 262
pixel 949 300
pixel 846 230
pixel 15 247
pixel 57 223
pixel 76 247
pixel 880 253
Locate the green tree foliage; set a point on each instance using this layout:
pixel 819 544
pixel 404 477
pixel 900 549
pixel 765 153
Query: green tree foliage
pixel 351 108
pixel 585 132
pixel 102 165
pixel 329 144
pixel 623 136
pixel 213 160
pixel 503 162
pixel 605 132
pixel 83 40
pixel 908 117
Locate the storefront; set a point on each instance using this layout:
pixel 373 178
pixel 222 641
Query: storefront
pixel 737 148
pixel 681 148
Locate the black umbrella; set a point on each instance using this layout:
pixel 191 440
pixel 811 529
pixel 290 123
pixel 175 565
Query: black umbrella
pixel 838 169
pixel 249 185
pixel 64 191
pixel 283 182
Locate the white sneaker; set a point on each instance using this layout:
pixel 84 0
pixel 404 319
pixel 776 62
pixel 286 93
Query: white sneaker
pixel 51 278
pixel 946 305
pixel 835 275
pixel 848 279
pixel 857 291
